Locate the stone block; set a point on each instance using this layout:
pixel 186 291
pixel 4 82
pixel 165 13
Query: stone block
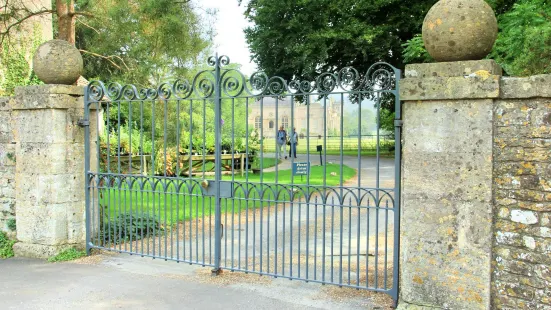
pixel 445 253
pixel 516 290
pixel 514 87
pixel 524 217
pixel 543 271
pixel 74 132
pixel 6 103
pixel 50 89
pixel 43 158
pixel 6 134
pixel 7 156
pixel 425 177
pixel 543 296
pixel 76 229
pixel 448 126
pixel 48 97
pixel 448 88
pixel 543 85
pixel 517 267
pixel 452 69
pixel 50 189
pixel 41 224
pixel 46 126
pixel 508 226
pixel 41 251
pixel 509 238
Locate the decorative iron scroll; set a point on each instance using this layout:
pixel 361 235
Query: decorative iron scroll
pixel 233 83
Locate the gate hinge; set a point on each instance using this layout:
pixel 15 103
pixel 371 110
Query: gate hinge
pixel 83 123
pixel 398 123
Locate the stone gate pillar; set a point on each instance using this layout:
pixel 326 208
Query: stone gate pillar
pixel 446 224
pixel 49 169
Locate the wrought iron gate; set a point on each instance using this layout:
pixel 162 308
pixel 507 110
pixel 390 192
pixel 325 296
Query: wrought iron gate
pixel 189 171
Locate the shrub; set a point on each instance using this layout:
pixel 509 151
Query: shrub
pixel 6 246
pixel 67 255
pixel 128 226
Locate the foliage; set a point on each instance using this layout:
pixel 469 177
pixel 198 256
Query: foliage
pixel 136 41
pixel 67 255
pixel 350 122
pixel 145 41
pixel 301 39
pixel 523 46
pixel 6 246
pixel 415 51
pixel 130 226
pixel 131 141
pixel 12 225
pixel 16 68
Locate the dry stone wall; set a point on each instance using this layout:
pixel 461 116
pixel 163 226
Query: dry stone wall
pixel 7 168
pixel 522 194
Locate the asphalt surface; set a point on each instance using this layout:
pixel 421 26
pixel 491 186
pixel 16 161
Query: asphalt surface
pixel 130 282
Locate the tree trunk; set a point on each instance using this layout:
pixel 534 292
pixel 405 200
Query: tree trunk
pixel 66 20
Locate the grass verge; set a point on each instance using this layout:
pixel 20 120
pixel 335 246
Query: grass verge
pixel 67 255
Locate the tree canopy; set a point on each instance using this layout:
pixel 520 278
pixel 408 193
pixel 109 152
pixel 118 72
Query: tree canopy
pixel 302 38
pixel 136 41
pixel 144 41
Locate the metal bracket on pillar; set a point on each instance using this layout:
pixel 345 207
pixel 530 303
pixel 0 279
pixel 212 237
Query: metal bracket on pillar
pixel 398 123
pixel 83 123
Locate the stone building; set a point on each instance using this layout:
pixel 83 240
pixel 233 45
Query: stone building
pixel 265 115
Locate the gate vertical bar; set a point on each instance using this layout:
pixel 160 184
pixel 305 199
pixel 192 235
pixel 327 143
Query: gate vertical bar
pixel 397 185
pixel 218 166
pixel 88 212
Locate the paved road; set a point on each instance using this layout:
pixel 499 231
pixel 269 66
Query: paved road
pixel 126 282
pixel 343 241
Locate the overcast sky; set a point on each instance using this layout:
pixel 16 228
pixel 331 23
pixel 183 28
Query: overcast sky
pixel 230 39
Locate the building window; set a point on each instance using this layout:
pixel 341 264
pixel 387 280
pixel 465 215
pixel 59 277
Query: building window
pixel 285 122
pixel 257 122
pixel 271 124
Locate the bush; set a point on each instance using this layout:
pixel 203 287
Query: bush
pixel 126 227
pixel 6 246
pixel 67 255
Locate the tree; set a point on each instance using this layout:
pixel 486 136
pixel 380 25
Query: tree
pixel 301 39
pixel 140 42
pixel 523 46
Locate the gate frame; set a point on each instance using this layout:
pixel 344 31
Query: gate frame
pixel 218 62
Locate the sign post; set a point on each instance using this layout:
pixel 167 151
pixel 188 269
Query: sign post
pixel 301 169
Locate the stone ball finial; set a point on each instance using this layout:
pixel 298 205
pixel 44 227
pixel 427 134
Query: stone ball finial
pixel 58 62
pixel 456 30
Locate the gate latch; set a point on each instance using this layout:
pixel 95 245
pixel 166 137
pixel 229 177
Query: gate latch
pixel 83 123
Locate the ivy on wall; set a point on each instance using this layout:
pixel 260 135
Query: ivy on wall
pixel 16 63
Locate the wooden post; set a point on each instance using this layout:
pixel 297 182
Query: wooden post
pixel 242 163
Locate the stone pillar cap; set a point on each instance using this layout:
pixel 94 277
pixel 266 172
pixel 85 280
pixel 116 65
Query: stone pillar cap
pixel 452 69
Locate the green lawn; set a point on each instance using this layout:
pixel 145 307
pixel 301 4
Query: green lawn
pixel 350 145
pixel 167 203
